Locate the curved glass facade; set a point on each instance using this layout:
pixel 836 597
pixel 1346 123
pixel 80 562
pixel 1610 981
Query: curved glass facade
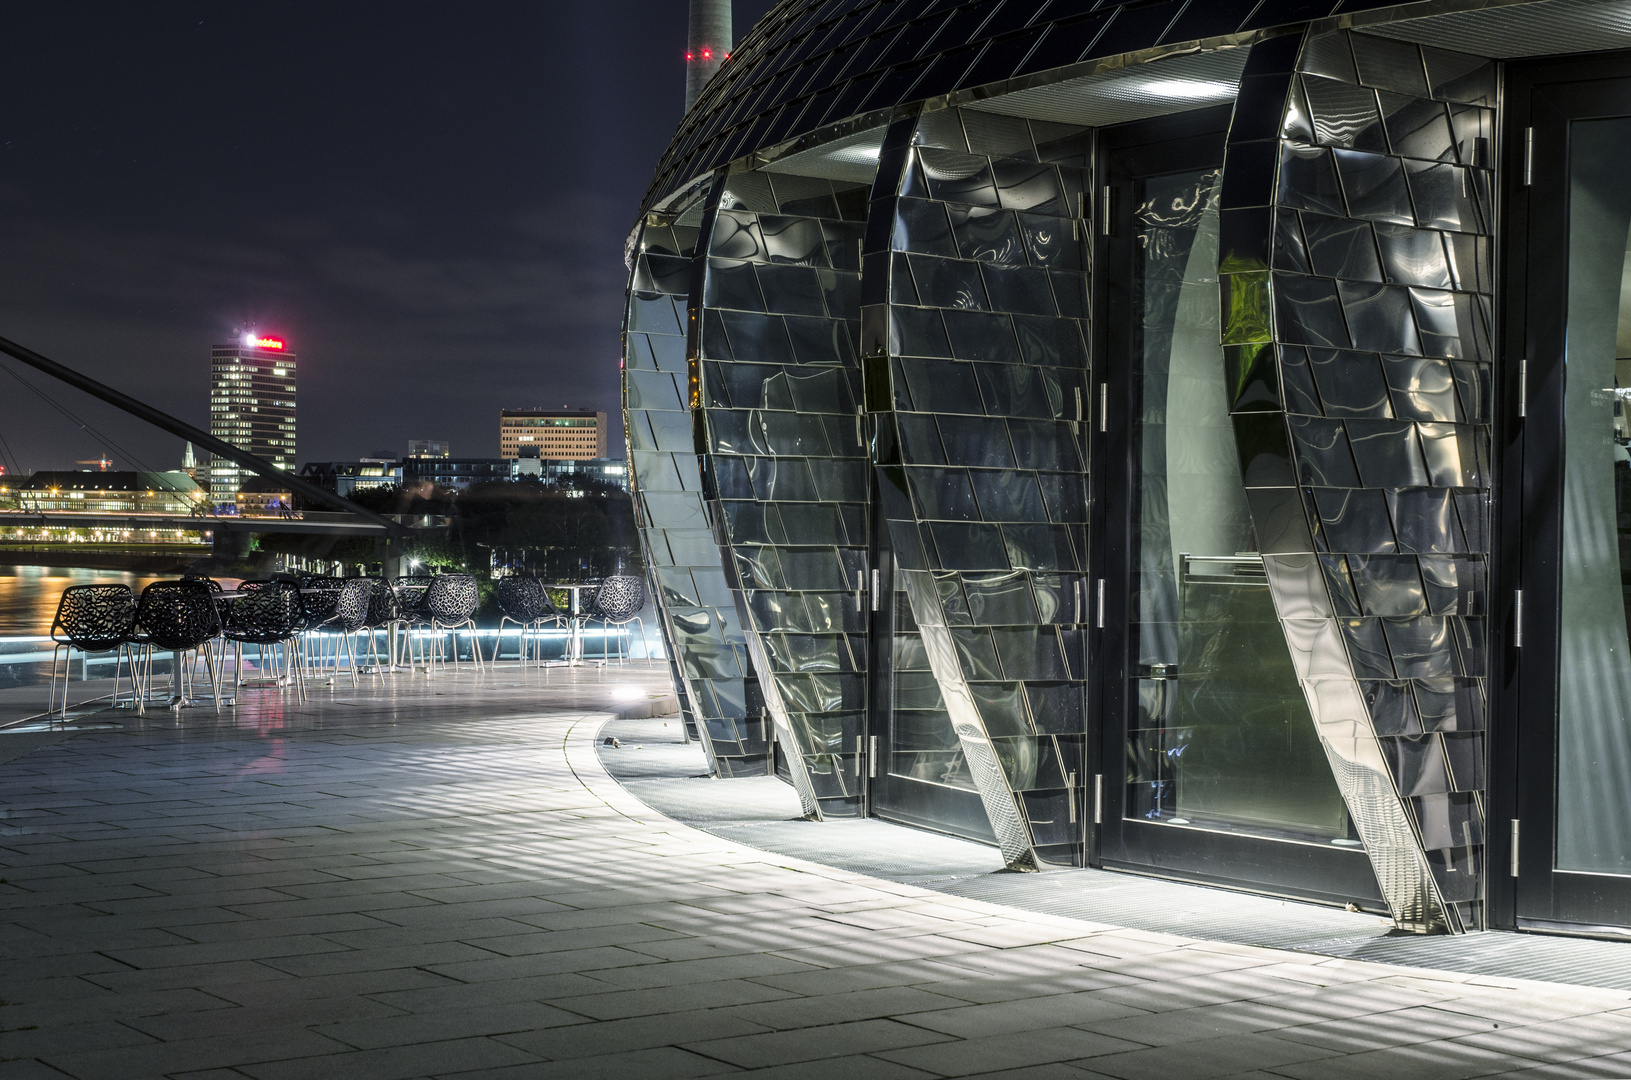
pixel 1077 430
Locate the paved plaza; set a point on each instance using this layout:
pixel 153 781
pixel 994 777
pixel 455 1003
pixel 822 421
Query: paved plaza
pixel 438 878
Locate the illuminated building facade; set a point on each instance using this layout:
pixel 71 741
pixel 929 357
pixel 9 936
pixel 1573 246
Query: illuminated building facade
pixel 1107 432
pixel 116 492
pixel 347 477
pixel 252 406
pixel 429 448
pixel 561 433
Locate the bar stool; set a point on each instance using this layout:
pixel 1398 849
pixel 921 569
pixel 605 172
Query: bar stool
pixel 92 619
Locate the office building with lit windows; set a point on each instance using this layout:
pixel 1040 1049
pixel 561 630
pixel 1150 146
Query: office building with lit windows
pixel 573 434
pixel 252 406
pixel 1135 435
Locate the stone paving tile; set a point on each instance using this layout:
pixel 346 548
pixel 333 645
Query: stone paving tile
pixel 369 1033
pixel 229 1019
pixel 907 1002
pixel 989 1053
pixel 1399 1027
pixel 596 1039
pixel 397 1062
pixel 813 1043
pixel 445 884
pixel 723 993
pixel 850 1067
pixel 1027 1014
pixel 159 1058
pixel 663 1063
pixel 1420 1061
pixel 1206 1058
pixel 1554 1041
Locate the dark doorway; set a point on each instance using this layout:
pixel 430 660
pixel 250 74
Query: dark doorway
pixel 1561 780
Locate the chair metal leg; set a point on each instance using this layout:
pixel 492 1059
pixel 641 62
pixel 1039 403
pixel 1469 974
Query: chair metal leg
pixel 51 705
pixel 139 675
pixel 215 676
pixel 118 658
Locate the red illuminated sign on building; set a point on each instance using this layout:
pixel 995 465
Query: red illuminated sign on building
pixel 269 343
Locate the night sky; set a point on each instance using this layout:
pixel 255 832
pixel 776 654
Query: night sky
pixel 428 200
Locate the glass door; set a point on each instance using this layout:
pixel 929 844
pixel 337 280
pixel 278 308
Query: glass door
pixel 1563 767
pixel 1212 766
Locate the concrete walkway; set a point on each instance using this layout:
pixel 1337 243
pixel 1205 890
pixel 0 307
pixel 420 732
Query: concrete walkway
pixel 433 881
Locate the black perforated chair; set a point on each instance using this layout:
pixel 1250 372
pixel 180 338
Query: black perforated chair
pixel 410 594
pixel 525 602
pixel 381 614
pixel 180 618
pixel 349 616
pixel 450 605
pixel 221 607
pixel 268 615
pixel 214 587
pixel 92 619
pixel 617 603
pixel 318 597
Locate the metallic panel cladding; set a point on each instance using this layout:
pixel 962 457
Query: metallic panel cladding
pixel 776 381
pixel 977 378
pixel 1355 271
pixel 694 603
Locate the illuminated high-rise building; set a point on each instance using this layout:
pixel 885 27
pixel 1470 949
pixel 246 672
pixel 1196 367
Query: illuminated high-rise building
pixel 252 406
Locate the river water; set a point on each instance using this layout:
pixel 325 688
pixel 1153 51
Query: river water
pixel 29 594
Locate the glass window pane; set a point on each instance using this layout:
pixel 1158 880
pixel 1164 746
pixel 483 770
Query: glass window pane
pixel 1594 657
pixel 1221 737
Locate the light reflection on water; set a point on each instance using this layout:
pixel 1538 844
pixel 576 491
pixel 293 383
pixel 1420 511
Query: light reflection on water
pixel 29 594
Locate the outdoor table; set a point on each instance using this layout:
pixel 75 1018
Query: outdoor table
pixel 574 644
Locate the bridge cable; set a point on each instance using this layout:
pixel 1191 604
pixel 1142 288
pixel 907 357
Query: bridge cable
pixel 107 443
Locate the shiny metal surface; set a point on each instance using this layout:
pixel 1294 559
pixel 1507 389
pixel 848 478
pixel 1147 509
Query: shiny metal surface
pixel 696 610
pixel 776 384
pixel 988 369
pixel 1376 198
pixel 1007 820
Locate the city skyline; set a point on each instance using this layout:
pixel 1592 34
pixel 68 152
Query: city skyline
pixel 414 239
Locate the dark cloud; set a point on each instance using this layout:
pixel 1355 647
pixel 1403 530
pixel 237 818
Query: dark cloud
pixel 429 201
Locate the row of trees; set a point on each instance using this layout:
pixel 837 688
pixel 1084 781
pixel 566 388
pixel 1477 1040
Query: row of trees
pixel 573 530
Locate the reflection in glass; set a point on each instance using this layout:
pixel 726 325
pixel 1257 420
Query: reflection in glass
pixel 1222 738
pixel 1594 661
